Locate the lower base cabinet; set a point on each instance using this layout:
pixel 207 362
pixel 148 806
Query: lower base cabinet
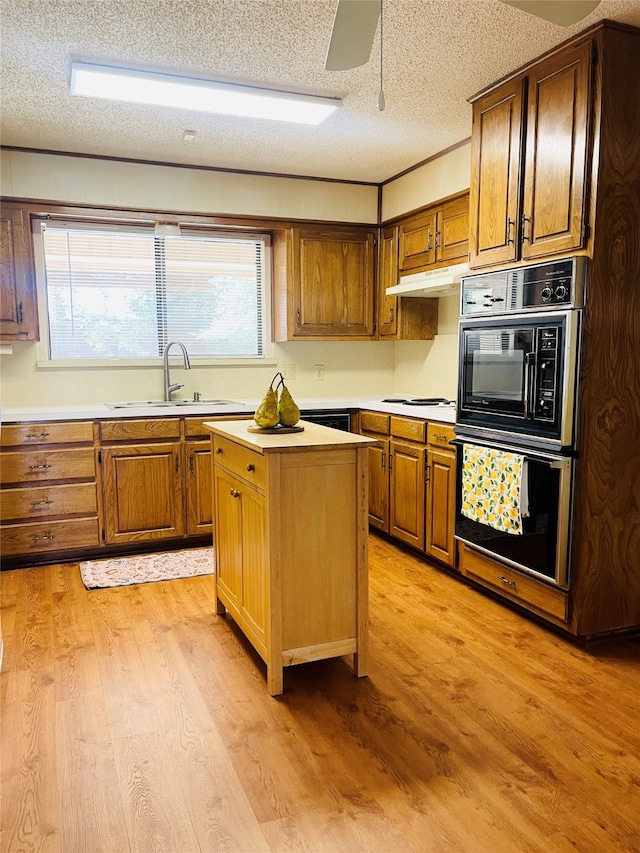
pixel 290 542
pixel 441 494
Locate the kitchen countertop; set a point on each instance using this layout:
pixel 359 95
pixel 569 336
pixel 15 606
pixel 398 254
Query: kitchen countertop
pixel 240 406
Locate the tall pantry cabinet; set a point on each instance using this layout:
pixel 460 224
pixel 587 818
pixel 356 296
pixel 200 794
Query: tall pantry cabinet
pixel 556 172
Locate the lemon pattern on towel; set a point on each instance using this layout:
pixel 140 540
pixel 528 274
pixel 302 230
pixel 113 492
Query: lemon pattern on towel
pixel 491 487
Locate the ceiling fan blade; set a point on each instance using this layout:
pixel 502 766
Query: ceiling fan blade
pixel 354 28
pixel 560 12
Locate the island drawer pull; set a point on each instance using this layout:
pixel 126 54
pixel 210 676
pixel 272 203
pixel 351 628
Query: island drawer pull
pixel 36 467
pixel 251 466
pixel 41 503
pixel 37 435
pixel 49 537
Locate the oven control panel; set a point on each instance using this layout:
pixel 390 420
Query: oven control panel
pixel 555 284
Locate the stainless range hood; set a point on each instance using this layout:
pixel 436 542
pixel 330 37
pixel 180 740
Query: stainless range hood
pixel 444 281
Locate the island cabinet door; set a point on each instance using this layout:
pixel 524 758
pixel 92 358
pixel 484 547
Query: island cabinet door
pixel 241 554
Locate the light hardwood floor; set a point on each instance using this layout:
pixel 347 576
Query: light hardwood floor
pixel 134 719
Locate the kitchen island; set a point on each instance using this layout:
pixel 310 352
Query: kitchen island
pixel 290 541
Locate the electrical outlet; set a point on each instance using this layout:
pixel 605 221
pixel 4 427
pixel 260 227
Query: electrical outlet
pixel 288 371
pixel 319 371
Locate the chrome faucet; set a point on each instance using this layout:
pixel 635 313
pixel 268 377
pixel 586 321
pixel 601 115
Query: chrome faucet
pixel 168 387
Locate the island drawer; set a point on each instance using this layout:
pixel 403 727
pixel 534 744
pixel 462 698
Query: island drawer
pixel 247 464
pixel 67 432
pixel 47 501
pixel 41 536
pixel 24 467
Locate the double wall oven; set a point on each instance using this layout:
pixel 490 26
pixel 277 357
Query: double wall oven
pixel 519 354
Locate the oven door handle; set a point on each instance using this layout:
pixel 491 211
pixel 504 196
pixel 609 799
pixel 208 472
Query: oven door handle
pixel 559 462
pixel 529 362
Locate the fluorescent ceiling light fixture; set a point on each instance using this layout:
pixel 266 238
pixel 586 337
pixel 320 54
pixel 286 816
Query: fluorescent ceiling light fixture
pixel 190 93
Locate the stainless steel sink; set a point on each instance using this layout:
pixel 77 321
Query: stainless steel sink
pixel 159 404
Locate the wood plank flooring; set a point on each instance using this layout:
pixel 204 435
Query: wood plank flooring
pixel 134 719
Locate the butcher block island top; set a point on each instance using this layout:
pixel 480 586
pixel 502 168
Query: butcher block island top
pixel 290 522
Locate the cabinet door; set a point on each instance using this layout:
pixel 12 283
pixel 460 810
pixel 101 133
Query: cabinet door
pixel 241 554
pixel 18 306
pixel 496 145
pixel 378 468
pixel 441 493
pixel 452 231
pixel 143 496
pixel 199 488
pixel 387 277
pixel 417 241
pixel 407 489
pixel 558 143
pixel 333 278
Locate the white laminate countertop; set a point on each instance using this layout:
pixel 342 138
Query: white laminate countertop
pixel 92 411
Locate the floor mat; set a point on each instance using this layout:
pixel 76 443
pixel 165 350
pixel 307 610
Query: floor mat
pixel 170 565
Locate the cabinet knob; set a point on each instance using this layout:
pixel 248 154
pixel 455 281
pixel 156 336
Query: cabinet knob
pixel 218 450
pixel 251 467
pixel 234 493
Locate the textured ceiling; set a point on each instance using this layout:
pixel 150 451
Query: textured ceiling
pixel 437 53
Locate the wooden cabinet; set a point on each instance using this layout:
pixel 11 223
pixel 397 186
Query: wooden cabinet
pixel 142 464
pixel 435 236
pixel 530 148
pixel 441 494
pixel 400 318
pixel 541 598
pixel 49 500
pixel 18 302
pixel 290 539
pixel 324 282
pixel 412 482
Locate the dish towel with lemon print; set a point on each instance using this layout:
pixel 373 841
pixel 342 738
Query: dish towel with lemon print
pixel 494 487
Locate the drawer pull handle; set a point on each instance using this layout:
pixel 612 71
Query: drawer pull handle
pixel 251 467
pixel 439 436
pixel 36 467
pixel 41 503
pixel 43 538
pixel 506 581
pixel 218 450
pixel 37 435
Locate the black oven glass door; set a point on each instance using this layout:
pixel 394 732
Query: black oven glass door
pixel 513 374
pixel 542 548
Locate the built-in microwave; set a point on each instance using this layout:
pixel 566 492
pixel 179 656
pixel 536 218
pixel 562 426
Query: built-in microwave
pixel 518 375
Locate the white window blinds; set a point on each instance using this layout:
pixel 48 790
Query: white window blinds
pixel 116 293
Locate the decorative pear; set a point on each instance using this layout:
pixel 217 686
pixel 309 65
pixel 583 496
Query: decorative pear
pixel 288 411
pixel 267 412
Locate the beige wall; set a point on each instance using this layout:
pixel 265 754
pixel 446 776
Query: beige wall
pixel 352 368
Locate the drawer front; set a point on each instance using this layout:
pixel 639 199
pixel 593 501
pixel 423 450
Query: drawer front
pixel 374 422
pixel 409 428
pixel 43 536
pixel 440 435
pixel 48 501
pixel 193 426
pixel 17 435
pixel 41 465
pixel 145 429
pixel 248 464
pixel 532 594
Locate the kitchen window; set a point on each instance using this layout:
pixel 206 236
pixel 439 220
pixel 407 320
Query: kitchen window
pixel 123 292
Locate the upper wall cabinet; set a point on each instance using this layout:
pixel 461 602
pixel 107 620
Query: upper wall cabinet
pixel 530 148
pixel 323 284
pixel 400 318
pixel 437 235
pixel 18 305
